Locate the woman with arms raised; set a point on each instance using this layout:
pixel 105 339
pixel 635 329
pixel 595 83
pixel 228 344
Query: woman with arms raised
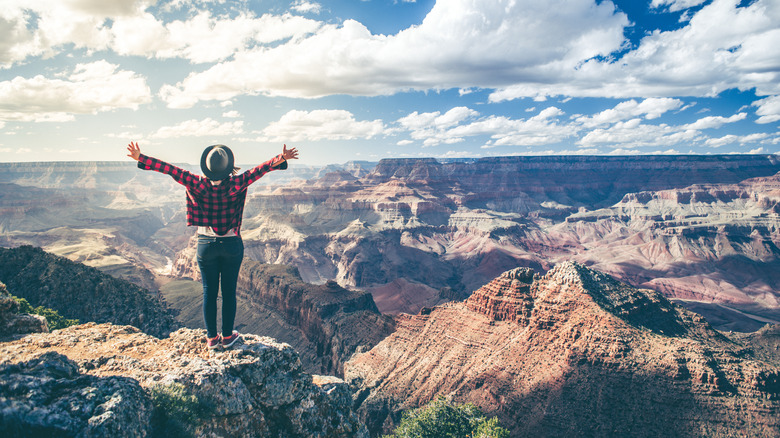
pixel 215 204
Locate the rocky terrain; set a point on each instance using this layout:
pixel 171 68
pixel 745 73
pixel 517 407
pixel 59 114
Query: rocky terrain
pixel 421 232
pixel 81 292
pixel 100 380
pixel 326 323
pixel 575 352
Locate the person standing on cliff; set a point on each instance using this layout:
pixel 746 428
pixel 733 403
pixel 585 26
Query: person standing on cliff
pixel 215 204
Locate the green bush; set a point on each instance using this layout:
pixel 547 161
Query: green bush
pixel 175 411
pixel 54 320
pixel 443 419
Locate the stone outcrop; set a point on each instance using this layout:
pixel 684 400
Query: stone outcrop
pixel 48 396
pixel 98 380
pixel 81 292
pixel 14 323
pixel 573 352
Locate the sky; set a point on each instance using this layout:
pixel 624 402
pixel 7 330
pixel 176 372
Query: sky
pixel 363 80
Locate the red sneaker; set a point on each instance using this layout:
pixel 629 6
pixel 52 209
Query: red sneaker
pixel 230 340
pixel 213 342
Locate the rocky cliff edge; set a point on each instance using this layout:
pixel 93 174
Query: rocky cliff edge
pixel 98 380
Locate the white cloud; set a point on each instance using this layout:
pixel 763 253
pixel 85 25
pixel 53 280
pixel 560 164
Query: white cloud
pixel 90 88
pixel 675 5
pixel 296 126
pixel 722 47
pixel 714 122
pixel 621 128
pixel 435 128
pixel 436 120
pixel 41 27
pixel 651 108
pixel 303 7
pixel 203 37
pixel 632 133
pixel 768 109
pixel 459 123
pixel 722 141
pixel 458 154
pixel 523 48
pixel 200 128
pixel 460 44
pixel 750 139
pixel 231 114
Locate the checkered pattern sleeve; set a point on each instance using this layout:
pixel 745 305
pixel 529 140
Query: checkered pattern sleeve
pixel 252 175
pixel 181 176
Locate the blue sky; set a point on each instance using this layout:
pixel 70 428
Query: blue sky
pixel 364 80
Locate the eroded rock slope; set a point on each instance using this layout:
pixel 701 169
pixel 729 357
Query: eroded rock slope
pixel 82 292
pixel 572 353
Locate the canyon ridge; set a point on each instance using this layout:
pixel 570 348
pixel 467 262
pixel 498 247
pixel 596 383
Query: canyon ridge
pixel 702 230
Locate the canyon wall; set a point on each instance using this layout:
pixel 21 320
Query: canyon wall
pixel 421 232
pixel 573 352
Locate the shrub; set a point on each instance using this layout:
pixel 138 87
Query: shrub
pixel 443 419
pixel 54 320
pixel 175 411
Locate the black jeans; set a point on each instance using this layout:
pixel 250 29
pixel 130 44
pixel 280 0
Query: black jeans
pixel 219 256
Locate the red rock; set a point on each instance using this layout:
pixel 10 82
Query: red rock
pixel 574 352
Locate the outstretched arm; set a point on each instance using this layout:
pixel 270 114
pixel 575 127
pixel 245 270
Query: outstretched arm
pixel 145 162
pixel 134 151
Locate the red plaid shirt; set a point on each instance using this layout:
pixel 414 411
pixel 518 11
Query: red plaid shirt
pixel 220 207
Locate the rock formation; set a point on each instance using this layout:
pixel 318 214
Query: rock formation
pixel 326 323
pixel 81 292
pixel 99 380
pixel 573 352
pixel 12 322
pixel 456 225
pixel 698 228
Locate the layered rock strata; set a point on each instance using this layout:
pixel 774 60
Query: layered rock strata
pixel 698 228
pixel 96 380
pixel 573 352
pixel 326 323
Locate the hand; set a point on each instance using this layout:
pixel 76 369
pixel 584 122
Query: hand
pixel 289 154
pixel 134 151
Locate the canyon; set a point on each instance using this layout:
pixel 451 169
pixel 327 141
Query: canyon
pixel 570 351
pixel 415 233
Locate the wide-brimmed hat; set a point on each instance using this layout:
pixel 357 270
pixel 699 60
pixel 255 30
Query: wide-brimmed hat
pixel 217 162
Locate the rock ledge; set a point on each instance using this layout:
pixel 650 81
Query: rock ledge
pixel 95 380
